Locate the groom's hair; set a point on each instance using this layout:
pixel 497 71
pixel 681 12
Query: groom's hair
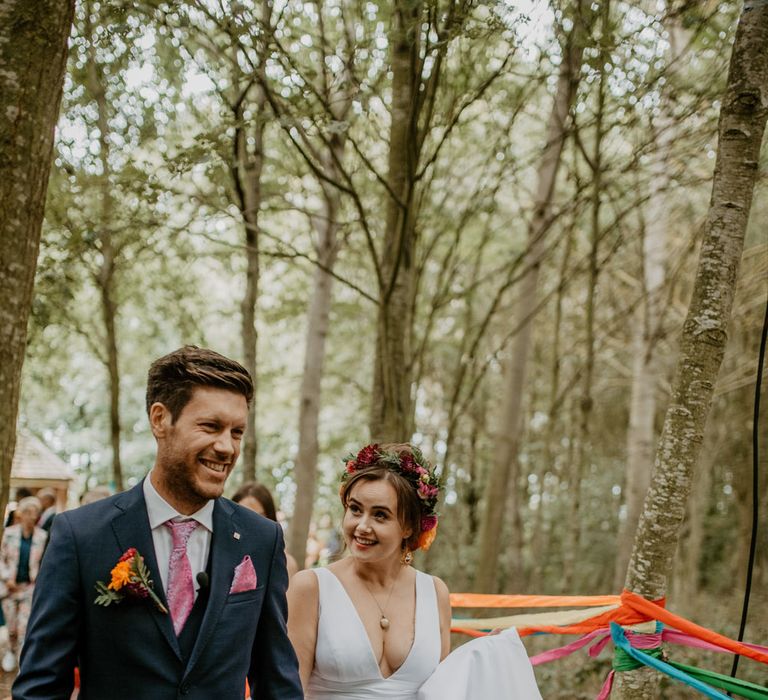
pixel 173 377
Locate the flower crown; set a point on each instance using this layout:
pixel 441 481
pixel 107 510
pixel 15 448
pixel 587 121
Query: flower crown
pixel 414 469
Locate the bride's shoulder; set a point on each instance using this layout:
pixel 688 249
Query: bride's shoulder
pixel 443 594
pixel 440 588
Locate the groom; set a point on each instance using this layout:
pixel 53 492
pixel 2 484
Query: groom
pixel 215 611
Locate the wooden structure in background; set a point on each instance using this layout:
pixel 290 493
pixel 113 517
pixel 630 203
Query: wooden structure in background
pixel 36 466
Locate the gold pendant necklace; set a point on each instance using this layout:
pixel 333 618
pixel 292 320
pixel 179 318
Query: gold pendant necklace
pixel 383 619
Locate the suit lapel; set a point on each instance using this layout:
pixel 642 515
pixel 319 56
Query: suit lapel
pixel 225 554
pixel 131 528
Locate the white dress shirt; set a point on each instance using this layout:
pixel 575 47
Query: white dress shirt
pixel 199 545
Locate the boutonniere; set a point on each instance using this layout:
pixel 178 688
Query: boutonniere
pixel 130 578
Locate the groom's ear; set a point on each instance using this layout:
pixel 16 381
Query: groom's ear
pixel 159 419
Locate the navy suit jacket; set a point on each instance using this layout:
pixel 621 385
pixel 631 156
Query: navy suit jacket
pixel 129 649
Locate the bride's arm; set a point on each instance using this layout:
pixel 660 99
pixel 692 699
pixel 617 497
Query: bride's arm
pixel 444 610
pixel 303 598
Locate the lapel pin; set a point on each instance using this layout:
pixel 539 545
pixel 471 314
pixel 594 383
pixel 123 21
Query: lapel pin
pixel 236 535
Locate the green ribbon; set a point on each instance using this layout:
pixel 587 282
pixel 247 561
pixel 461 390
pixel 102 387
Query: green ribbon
pixel 622 661
pixel 743 689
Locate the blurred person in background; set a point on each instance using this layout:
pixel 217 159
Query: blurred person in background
pixel 258 498
pixel 47 497
pixel 21 492
pixel 21 550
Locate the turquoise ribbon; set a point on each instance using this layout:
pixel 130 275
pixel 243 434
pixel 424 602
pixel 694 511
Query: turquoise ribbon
pixel 621 642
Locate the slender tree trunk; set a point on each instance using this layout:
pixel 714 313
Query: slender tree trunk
pixel 391 404
pixel 251 176
pixel 742 124
pixel 583 447
pixel 540 536
pixel 247 174
pixel 318 314
pixel 645 331
pixel 105 275
pixel 33 55
pixel 504 469
pixel 109 313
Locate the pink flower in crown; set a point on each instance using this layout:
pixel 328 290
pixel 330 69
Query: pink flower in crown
pixel 351 466
pixel 367 456
pixel 428 522
pixel 426 491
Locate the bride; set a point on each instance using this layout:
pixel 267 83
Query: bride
pixel 370 625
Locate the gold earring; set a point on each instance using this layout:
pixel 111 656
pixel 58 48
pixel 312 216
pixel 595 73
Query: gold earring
pixel 406 557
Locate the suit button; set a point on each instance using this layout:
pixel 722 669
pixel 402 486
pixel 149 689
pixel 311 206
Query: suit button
pixel 184 688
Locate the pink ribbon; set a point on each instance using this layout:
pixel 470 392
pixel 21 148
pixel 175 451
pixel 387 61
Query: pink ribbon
pixel 568 649
pixel 675 637
pixel 605 691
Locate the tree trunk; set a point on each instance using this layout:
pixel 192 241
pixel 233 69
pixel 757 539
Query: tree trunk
pixel 684 587
pixel 109 313
pixel 105 275
pixel 504 469
pixel 578 469
pixel 742 123
pixel 645 330
pixel 33 54
pixel 247 172
pixel 251 176
pixel 305 473
pixel 540 536
pixel 391 406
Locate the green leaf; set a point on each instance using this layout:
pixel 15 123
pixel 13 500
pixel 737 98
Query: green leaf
pixel 106 595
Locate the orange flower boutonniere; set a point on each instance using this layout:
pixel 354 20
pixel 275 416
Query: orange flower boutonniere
pixel 130 578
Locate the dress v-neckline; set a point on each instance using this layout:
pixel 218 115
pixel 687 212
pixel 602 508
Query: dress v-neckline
pixel 365 631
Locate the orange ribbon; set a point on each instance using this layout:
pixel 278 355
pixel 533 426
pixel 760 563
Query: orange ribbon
pixel 633 609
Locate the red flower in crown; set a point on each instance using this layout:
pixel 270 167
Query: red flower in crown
pixel 408 464
pixel 428 522
pixel 367 456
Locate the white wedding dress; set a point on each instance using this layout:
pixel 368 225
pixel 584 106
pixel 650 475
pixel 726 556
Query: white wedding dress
pixel 345 665
pixel 492 667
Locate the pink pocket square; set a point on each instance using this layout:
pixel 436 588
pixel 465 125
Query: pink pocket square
pixel 245 576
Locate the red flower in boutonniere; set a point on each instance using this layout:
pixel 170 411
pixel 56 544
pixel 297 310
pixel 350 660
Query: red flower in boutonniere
pixel 130 578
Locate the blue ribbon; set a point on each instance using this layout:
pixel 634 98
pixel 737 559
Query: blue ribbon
pixel 621 641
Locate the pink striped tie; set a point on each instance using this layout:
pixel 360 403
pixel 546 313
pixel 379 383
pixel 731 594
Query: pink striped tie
pixel 181 587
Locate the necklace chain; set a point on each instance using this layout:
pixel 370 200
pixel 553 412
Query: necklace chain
pixel 383 620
